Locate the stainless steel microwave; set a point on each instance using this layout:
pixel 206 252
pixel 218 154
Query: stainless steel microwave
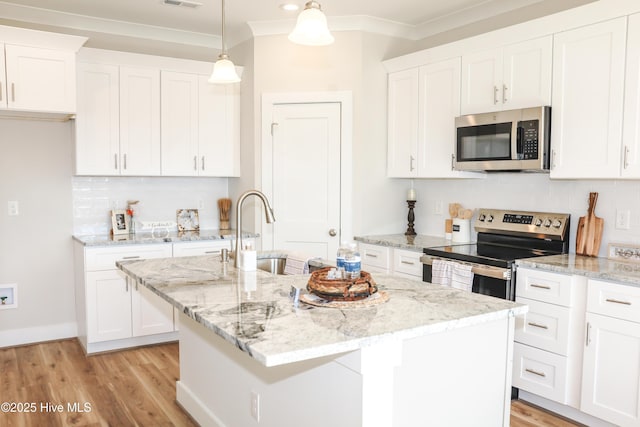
pixel 514 140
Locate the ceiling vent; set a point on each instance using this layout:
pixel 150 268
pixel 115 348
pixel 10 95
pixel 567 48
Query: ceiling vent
pixel 185 3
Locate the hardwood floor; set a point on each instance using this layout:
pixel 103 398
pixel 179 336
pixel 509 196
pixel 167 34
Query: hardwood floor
pixel 126 388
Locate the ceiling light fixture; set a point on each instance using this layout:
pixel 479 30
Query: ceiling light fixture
pixel 311 28
pixel 289 7
pixel 223 70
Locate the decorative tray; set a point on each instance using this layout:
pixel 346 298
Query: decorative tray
pixel 341 289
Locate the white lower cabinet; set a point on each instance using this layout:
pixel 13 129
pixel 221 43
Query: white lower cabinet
pixel 611 369
pixel 407 264
pixel 108 305
pixel 374 258
pixel 150 314
pixel 387 260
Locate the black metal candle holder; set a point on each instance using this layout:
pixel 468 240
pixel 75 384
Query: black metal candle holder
pixel 410 218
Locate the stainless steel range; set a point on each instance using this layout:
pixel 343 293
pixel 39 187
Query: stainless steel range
pixel 503 237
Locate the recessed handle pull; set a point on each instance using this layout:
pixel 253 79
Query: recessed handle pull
pixel 540 374
pixel 537 325
pixel 617 301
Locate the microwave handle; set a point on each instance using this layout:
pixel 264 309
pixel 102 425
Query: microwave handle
pixel 520 142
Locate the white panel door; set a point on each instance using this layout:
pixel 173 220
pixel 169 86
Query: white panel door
pixel 481 82
pixel 306 178
pixel 41 79
pixel 97 120
pixel 527 74
pixel 402 113
pixel 3 80
pixel 588 90
pixel 179 124
pixel 631 132
pixel 150 314
pixel 139 121
pixel 108 306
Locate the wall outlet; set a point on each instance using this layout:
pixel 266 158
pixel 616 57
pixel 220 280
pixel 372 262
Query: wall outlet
pixel 255 406
pixel 12 207
pixel 200 204
pixel 438 207
pixel 623 219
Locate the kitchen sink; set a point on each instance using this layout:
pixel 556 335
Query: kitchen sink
pixel 273 265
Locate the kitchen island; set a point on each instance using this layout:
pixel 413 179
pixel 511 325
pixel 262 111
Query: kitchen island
pixel 430 355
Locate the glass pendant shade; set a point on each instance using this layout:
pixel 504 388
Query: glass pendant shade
pixel 224 71
pixel 311 28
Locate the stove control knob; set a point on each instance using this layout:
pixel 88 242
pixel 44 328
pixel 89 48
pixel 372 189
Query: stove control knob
pixel 538 222
pixel 481 217
pixel 490 218
pixel 547 223
pixel 556 223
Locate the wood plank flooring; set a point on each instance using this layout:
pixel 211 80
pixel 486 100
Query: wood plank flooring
pixel 125 388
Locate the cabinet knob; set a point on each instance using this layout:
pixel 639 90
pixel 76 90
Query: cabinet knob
pixel 333 232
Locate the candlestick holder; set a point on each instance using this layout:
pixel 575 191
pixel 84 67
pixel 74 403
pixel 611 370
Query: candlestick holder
pixel 410 218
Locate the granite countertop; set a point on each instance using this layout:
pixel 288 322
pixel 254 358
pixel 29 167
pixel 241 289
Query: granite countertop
pixel 253 311
pixel 595 268
pixel 412 243
pixel 148 237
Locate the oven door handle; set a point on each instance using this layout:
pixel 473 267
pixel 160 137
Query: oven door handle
pixel 479 269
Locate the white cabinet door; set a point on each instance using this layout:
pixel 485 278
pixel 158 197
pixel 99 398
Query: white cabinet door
pixel 219 128
pixel 481 82
pixel 179 120
pixel 631 131
pixel 527 74
pixel 97 120
pixel 150 314
pixel 439 105
pixel 3 80
pixel 108 306
pixel 139 121
pixel 40 79
pixel 588 90
pixel 402 124
pixel 611 370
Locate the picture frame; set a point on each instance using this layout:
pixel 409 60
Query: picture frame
pixel 188 220
pixel 120 222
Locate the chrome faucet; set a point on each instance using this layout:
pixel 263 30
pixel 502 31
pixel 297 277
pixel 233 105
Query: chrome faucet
pixel 267 211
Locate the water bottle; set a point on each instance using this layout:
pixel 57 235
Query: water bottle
pixel 340 257
pixel 352 262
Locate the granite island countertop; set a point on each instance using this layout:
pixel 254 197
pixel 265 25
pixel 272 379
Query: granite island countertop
pixel 253 311
pixel 148 237
pixel 595 268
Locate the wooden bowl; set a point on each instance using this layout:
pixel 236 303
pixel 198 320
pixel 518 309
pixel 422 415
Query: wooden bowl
pixel 341 289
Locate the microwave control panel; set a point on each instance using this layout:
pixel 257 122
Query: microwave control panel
pixel 529 139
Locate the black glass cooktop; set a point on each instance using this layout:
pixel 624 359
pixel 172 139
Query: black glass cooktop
pixel 486 253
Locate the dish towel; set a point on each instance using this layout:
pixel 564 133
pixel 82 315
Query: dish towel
pixel 297 264
pixel 453 274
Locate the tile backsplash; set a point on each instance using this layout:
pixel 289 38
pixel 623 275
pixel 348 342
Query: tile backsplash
pixel 159 198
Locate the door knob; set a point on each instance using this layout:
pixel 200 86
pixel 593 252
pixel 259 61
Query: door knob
pixel 332 232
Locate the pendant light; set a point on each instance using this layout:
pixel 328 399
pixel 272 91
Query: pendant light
pixel 311 28
pixel 223 70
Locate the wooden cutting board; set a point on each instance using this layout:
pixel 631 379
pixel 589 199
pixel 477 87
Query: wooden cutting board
pixel 589 234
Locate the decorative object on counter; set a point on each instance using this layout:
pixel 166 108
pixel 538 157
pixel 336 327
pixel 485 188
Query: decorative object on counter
pixel 188 220
pixel 589 233
pixel 131 213
pixel 411 194
pixel 461 230
pixel 341 289
pixel 379 297
pixel 623 252
pixel 410 219
pixel 248 258
pixel 224 255
pixel 224 208
pixel 119 222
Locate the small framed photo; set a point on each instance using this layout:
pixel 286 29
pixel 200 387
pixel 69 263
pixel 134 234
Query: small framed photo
pixel 119 222
pixel 188 220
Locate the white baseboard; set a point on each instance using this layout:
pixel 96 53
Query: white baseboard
pixel 195 408
pixel 14 337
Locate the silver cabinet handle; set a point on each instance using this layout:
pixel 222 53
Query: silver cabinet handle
pixel 626 156
pixel 202 162
pixel 407 262
pixel 126 284
pixel 411 160
pixel 333 232
pixel 495 95
pixel 0 91
pixel 13 92
pixel 131 257
pixel 371 255
pixel 537 325
pixel 124 162
pixel 540 374
pixel 115 161
pixel 588 334
pixel 195 163
pixel 533 285
pixel 212 252
pixel 553 159
pixel 504 94
pixel 453 159
pixel 617 301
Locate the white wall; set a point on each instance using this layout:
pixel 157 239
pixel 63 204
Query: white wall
pixel 36 246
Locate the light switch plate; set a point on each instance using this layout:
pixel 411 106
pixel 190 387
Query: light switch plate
pixel 12 208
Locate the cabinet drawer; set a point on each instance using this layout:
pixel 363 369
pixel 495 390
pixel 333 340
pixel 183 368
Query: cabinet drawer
pixel 545 326
pixel 201 248
pixel 614 300
pixel 407 262
pixel 540 372
pixel 544 286
pixel 374 255
pixel 105 258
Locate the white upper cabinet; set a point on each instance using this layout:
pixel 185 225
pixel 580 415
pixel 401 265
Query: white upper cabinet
pixel 3 80
pixel 200 126
pixel 506 78
pixel 631 130
pixel 402 113
pixel 42 80
pixel 588 92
